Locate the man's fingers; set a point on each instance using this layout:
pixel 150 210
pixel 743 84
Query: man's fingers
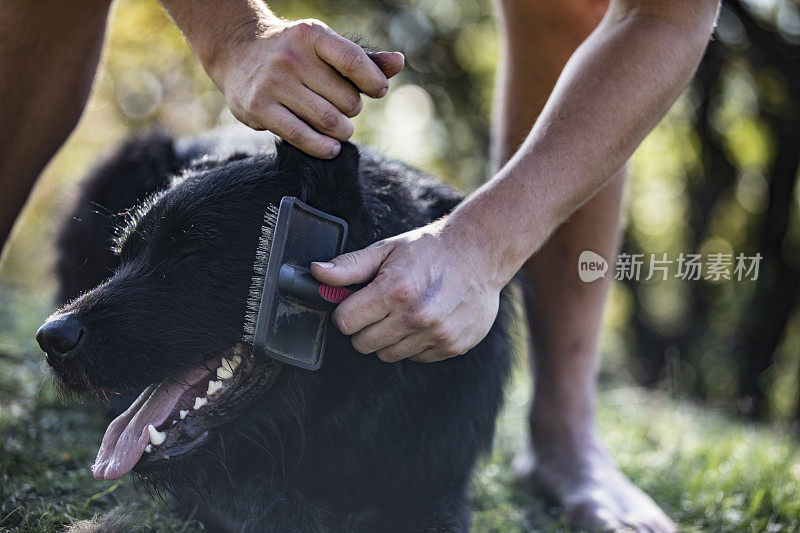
pixel 411 346
pixel 390 63
pixel 431 355
pixel 352 61
pixel 382 334
pixel 326 82
pixel 363 308
pixel 353 267
pixel 282 122
pixel 366 306
pixel 315 110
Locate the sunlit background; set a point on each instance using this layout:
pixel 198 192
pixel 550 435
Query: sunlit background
pixel 718 175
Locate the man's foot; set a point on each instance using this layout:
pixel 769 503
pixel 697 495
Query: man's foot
pixel 593 492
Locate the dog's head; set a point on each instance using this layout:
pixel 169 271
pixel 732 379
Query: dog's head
pixel 167 325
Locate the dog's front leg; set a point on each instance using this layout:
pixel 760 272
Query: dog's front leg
pixel 449 513
pixel 259 506
pixel 280 509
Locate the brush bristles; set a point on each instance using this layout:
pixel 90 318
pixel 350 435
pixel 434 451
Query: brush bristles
pixel 259 273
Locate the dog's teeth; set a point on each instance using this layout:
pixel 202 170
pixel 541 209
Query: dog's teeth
pixel 226 370
pixel 156 437
pixel 199 402
pixel 235 360
pixel 213 386
pixel 148 448
pixel 183 413
pixel 237 350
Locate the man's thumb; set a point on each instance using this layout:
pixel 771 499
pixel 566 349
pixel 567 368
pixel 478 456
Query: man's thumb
pixel 390 63
pixel 353 267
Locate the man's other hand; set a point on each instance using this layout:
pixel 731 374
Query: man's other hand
pixel 299 80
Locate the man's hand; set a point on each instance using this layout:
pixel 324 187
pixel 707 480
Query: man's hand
pixel 299 80
pixel 430 297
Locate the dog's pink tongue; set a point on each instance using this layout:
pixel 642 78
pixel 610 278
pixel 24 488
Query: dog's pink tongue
pixel 127 435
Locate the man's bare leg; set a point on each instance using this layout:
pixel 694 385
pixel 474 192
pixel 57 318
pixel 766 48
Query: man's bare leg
pixel 49 50
pixel 567 460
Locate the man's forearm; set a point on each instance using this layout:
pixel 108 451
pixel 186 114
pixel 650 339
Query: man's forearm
pixel 49 51
pixel 614 90
pixel 209 24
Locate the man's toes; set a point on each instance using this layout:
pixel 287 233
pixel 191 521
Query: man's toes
pixel 648 516
pixel 590 515
pixel 637 524
pixel 663 524
pixel 598 513
pixel 649 520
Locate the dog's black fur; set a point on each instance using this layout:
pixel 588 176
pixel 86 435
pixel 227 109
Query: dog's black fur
pixel 359 444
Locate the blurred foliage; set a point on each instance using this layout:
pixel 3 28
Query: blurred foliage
pixel 720 176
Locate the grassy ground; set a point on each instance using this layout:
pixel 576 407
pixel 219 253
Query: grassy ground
pixel 711 473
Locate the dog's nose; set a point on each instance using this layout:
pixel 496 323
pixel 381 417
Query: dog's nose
pixel 59 337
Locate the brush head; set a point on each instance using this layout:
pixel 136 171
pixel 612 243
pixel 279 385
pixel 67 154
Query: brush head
pixel 259 272
pixel 282 325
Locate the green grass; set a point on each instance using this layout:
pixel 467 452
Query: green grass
pixel 710 472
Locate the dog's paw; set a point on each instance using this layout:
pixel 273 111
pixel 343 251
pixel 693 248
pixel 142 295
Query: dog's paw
pixel 117 520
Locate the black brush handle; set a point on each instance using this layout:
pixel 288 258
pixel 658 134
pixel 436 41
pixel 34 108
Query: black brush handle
pixel 298 283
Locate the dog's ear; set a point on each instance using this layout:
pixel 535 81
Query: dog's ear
pixel 331 185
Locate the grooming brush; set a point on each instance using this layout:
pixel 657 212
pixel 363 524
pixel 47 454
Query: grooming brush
pixel 288 310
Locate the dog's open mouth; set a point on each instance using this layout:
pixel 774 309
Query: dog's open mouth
pixel 174 417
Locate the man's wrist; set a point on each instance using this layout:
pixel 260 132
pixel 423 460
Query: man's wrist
pixel 215 52
pixel 212 30
pixel 473 238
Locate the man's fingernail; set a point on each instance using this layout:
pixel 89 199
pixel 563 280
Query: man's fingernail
pixel 336 149
pixel 382 92
pixel 324 264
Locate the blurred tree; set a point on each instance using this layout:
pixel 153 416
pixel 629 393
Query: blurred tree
pixel 742 198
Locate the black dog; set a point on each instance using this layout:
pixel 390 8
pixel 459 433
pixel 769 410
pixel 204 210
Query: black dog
pixel 359 444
